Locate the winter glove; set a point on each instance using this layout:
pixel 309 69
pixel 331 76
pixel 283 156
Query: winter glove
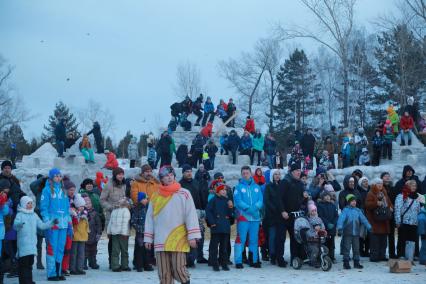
pixel 98 237
pixel 3 199
pixel 330 226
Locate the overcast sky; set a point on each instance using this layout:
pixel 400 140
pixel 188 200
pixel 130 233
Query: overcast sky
pixel 124 53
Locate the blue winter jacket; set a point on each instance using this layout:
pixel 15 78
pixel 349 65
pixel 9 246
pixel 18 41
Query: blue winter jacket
pixel 246 142
pixel 208 107
pixel 248 200
pixel 55 206
pixel 4 210
pixel 26 224
pixel 220 215
pixel 421 222
pixel 350 221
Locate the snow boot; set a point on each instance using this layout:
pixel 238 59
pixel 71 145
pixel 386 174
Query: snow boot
pixel 250 259
pixel 93 263
pixel 216 267
pixel 409 142
pixel 39 261
pixel 358 265
pixel 58 272
pixel 409 250
pixel 346 265
pixel 239 266
pixel 86 260
pixel 225 267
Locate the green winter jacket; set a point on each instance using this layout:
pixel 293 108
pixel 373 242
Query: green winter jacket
pixel 258 142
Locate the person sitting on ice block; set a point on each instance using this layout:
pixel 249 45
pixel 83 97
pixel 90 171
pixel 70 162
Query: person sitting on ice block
pixel 112 162
pixel 406 124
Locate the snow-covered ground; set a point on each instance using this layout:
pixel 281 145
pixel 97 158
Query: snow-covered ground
pixel 372 273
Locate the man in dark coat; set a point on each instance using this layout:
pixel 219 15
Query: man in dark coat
pixel 60 136
pixel 96 130
pixel 408 173
pixel 193 187
pixel 308 143
pixel 163 147
pixel 230 112
pixel 197 109
pixel 292 199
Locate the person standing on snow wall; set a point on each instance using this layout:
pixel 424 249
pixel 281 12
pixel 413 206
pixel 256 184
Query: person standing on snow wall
pixel 96 131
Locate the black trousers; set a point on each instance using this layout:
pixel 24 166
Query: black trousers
pixel 387 150
pixel 140 256
pixel 206 116
pixel 330 244
pixel 391 239
pixel 26 269
pixel 378 244
pixel 166 159
pixel 259 156
pixel 280 237
pixel 296 249
pixel 219 242
pixel 234 156
pixel 407 233
pixel 364 246
pixel 376 156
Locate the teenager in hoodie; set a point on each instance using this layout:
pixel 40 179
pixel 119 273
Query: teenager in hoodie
pixel 248 202
pixel 26 224
pixel 258 144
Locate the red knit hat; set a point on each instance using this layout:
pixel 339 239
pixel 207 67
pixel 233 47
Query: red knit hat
pixel 220 186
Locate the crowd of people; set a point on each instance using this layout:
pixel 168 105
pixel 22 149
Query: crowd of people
pixel 169 218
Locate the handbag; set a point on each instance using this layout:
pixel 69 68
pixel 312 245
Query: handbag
pixel 382 214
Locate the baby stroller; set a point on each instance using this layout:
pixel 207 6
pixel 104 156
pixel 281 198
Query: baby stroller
pixel 301 228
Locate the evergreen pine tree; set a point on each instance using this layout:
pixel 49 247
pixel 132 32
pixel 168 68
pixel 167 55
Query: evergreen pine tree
pixel 296 95
pixel 14 135
pixel 33 145
pixel 108 144
pixel 61 112
pixel 123 145
pixel 402 62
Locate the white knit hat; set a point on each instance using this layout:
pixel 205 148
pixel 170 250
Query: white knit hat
pixel 79 201
pixel 24 201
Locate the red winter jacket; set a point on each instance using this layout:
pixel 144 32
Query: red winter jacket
pixel 250 126
pixel 406 122
pixel 112 162
pixel 207 130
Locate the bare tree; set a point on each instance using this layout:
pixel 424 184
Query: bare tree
pixel 327 69
pixel 271 84
pixel 335 20
pixel 245 73
pixel 188 80
pixel 12 107
pixel 96 112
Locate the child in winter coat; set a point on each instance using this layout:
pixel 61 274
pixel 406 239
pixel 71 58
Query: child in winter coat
pixel 137 221
pixel 349 226
pixel 388 136
pixel 152 155
pixel 26 224
pixel 316 230
pixel 81 235
pixel 95 233
pixel 119 229
pixel 327 211
pixel 377 148
pixel 220 215
pixel 364 159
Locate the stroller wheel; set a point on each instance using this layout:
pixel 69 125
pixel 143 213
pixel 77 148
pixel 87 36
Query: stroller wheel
pixel 297 263
pixel 326 263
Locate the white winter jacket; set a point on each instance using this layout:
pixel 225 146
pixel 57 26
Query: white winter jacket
pixel 119 223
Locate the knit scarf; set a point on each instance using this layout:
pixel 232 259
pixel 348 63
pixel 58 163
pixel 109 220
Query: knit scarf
pixel 168 190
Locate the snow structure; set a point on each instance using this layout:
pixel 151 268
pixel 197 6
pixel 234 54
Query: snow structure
pixel 73 165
